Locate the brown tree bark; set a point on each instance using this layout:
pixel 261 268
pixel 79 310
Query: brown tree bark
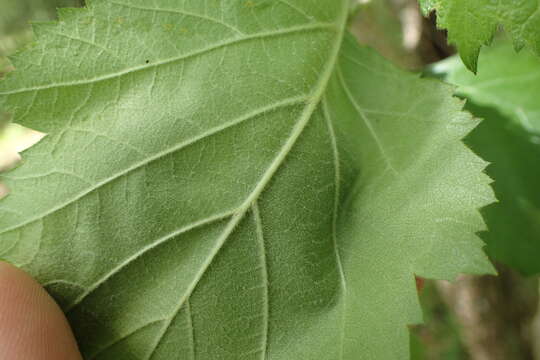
pixel 495 314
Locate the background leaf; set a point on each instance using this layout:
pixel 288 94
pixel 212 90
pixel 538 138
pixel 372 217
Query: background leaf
pixel 472 24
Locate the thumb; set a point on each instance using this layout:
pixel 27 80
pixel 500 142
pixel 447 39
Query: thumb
pixel 32 326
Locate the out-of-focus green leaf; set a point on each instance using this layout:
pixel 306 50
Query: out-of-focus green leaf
pixel 439 337
pixel 417 348
pixel 380 24
pixel 15 16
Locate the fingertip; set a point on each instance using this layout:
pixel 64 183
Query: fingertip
pixel 32 326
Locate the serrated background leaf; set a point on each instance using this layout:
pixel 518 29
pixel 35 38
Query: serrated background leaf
pixel 472 24
pixel 505 94
pixel 217 183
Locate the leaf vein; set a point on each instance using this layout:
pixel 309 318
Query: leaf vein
pixel 141 252
pixel 296 8
pixel 181 12
pixel 296 132
pixel 266 306
pixel 191 329
pixel 367 122
pixel 123 337
pixel 158 156
pixel 337 169
pixel 229 42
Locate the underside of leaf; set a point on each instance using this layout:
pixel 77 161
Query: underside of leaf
pixel 234 180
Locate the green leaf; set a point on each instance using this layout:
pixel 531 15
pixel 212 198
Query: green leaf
pixel 411 207
pixel 220 181
pixel 507 81
pixel 472 24
pixel 514 223
pixel 505 94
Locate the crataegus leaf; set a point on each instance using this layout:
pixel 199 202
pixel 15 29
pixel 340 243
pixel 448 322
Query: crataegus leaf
pixel 220 181
pixel 409 188
pixel 472 24
pixel 505 94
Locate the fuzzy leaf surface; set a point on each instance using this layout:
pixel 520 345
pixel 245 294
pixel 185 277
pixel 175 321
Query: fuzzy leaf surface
pixel 235 180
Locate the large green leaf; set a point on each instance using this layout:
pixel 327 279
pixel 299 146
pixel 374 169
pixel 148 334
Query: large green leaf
pixel 472 23
pixel 505 94
pixel 219 182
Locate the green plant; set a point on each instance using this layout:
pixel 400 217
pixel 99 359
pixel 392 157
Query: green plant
pixel 235 180
pixel 472 24
pixel 505 93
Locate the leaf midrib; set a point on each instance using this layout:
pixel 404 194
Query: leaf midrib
pixel 318 93
pixel 290 30
pixel 312 103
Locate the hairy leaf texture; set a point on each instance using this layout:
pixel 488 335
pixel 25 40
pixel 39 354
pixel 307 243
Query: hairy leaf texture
pixel 505 94
pixel 472 24
pixel 235 180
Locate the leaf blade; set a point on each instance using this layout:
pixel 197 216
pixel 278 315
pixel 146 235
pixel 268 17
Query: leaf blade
pixel 230 231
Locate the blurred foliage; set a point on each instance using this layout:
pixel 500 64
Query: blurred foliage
pixel 439 337
pixel 397 30
pixel 15 16
pixel 379 25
